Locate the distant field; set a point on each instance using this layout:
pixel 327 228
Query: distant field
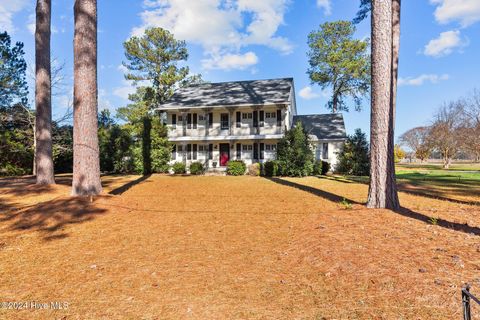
pixel 459 183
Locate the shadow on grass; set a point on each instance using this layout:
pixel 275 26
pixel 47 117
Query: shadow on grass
pixel 428 189
pixel 465 228
pixel 317 192
pixel 462 227
pixel 127 186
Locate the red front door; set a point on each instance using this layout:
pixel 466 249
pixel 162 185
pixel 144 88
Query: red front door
pixel 224 154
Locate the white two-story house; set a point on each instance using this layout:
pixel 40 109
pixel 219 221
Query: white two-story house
pixel 213 123
pixel 216 122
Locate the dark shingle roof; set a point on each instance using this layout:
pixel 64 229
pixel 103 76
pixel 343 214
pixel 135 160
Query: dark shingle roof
pixel 254 92
pixel 323 126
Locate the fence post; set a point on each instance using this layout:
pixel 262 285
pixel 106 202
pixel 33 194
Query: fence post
pixel 466 303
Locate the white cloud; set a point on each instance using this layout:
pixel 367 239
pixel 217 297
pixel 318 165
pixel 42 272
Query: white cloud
pixel 231 61
pixel 307 93
pixel 8 8
pixel 466 12
pixel 445 44
pixel 124 91
pixel 420 80
pixel 221 27
pixel 326 5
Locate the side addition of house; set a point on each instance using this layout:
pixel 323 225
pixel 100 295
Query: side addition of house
pixel 216 122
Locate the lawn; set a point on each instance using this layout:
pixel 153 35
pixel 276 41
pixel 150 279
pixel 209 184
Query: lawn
pixel 460 183
pixel 165 247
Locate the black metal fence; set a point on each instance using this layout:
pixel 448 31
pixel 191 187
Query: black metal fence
pixel 467 298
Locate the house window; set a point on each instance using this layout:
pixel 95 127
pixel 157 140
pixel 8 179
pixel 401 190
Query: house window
pixel 250 147
pixel 262 151
pixel 325 151
pixel 210 151
pixel 174 121
pixel 239 151
pixel 247 115
pixel 180 118
pixel 210 120
pixel 224 121
pixel 244 147
pixel 189 121
pixel 174 152
pixel 194 152
pixel 180 148
pixel 201 117
pixel 267 147
pixel 200 148
pixel 195 121
pixel 239 120
pixel 189 152
pixel 274 147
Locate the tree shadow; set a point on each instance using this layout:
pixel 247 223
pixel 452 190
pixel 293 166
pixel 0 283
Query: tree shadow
pixel 317 192
pixel 51 217
pixel 127 186
pixel 461 227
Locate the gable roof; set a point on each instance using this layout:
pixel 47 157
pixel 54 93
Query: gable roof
pixel 323 126
pixel 253 92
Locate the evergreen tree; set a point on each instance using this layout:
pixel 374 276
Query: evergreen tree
pixel 294 153
pixel 354 158
pixel 13 83
pixel 340 62
pixel 153 58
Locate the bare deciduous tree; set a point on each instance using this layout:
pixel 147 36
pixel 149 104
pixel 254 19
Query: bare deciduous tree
pixel 470 131
pixel 382 191
pixel 86 163
pixel 444 134
pixel 417 140
pixel 43 95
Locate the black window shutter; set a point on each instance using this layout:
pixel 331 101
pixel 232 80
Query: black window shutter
pixel 255 151
pixel 189 121
pixel 210 151
pixel 279 117
pixel 239 151
pixel 189 152
pixel 210 120
pixel 239 119
pixel 262 152
pixel 194 152
pixel 195 121
pixel 174 120
pixel 174 152
pixel 255 119
pixel 262 118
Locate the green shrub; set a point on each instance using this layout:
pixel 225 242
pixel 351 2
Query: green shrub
pixel 236 168
pixel 325 167
pixel 317 168
pixel 254 169
pixel 12 170
pixel 196 168
pixel 294 153
pixel 354 157
pixel 271 168
pixel 179 168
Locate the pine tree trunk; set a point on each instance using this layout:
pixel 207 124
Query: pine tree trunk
pixel 382 191
pixel 86 162
pixel 43 168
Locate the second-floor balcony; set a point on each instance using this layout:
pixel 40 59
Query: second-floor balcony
pixel 220 124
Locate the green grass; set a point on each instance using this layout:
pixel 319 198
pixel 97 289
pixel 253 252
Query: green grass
pixel 460 183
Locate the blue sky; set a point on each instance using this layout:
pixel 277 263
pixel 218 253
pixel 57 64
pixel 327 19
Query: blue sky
pixel 259 39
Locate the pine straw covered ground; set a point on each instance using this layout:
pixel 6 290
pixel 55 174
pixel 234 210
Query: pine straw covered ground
pixel 233 248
